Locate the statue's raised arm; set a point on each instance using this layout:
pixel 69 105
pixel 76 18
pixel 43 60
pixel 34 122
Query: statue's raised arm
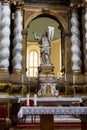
pixel 35 36
pixel 51 32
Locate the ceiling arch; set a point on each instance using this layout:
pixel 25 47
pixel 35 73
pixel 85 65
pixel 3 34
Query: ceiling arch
pixel 49 14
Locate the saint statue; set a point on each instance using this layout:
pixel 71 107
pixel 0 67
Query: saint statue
pixel 45 46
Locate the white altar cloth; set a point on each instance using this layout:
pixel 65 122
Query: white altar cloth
pixel 51 110
pixel 57 99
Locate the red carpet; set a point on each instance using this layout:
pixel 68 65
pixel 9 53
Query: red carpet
pixel 56 124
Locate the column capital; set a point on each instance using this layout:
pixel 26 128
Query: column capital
pixel 5 1
pixel 24 32
pixel 84 4
pixel 74 6
pixel 19 4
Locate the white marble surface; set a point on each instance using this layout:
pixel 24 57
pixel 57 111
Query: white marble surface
pixel 60 99
pixel 17 42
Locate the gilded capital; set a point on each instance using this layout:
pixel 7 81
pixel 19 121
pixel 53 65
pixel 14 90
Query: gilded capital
pixel 74 7
pixel 19 4
pixel 84 4
pixel 5 1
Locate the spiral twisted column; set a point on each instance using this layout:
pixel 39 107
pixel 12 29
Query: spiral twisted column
pixel 0 18
pixel 75 48
pixel 5 36
pixel 85 17
pixel 17 41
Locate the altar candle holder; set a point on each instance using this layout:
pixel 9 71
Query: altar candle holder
pixel 74 80
pixel 28 100
pixel 65 77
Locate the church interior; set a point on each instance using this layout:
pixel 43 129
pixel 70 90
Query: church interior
pixel 43 67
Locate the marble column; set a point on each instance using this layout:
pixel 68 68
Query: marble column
pixel 0 18
pixel 75 40
pixel 5 35
pixel 17 41
pixel 85 36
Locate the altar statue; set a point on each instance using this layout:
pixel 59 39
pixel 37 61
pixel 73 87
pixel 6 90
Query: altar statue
pixel 45 46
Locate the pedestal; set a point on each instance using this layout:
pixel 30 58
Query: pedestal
pixel 46 122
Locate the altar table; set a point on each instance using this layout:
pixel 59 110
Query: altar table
pixel 51 101
pixel 47 114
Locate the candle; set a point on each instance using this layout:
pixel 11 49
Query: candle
pixel 35 99
pixel 65 77
pixel 27 99
pixel 73 79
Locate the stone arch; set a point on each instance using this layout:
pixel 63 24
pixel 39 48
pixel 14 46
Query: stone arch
pixel 49 14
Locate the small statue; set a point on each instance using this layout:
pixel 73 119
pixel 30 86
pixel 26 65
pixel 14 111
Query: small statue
pixel 45 46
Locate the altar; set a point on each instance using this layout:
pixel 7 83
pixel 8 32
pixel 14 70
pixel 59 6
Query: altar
pixel 47 114
pixel 47 102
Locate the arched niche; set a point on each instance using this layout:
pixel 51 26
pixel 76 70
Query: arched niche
pixel 39 25
pixel 62 27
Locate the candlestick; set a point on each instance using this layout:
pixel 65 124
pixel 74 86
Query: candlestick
pixel 35 99
pixel 74 79
pixel 27 99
